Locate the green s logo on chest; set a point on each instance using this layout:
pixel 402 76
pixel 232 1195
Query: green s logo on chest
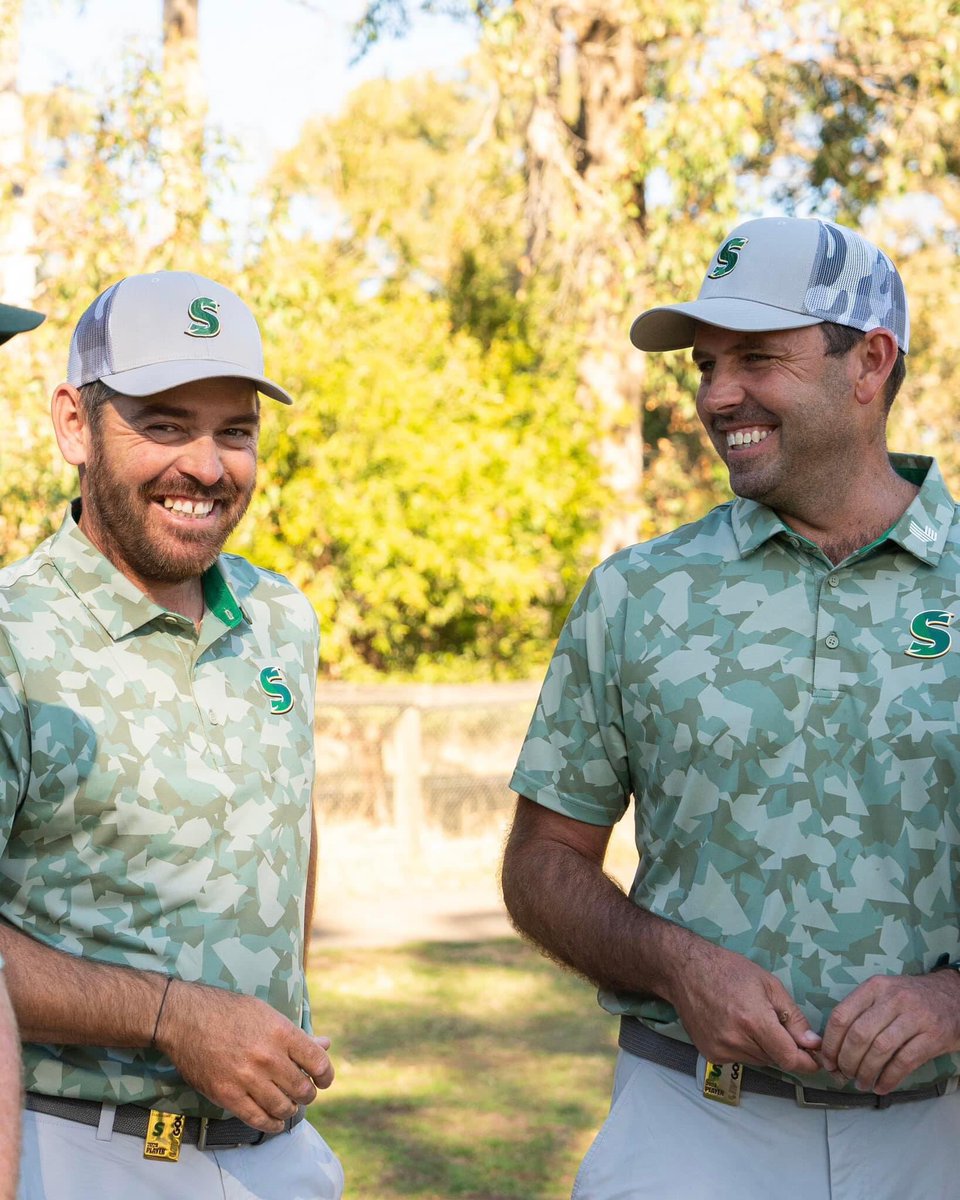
pixel 275 686
pixel 931 634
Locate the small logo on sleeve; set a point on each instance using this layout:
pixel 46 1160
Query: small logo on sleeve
pixel 931 634
pixel 204 321
pixel 275 686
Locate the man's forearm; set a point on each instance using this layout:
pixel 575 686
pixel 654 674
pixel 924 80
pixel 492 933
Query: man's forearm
pixel 556 892
pixel 567 905
pixel 9 1098
pixel 61 998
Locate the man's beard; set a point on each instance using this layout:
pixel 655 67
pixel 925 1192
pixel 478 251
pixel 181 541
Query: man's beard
pixel 120 515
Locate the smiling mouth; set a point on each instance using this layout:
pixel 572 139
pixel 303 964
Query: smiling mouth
pixel 746 437
pixel 197 509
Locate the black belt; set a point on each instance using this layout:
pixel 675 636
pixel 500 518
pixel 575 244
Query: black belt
pixel 639 1039
pixel 204 1132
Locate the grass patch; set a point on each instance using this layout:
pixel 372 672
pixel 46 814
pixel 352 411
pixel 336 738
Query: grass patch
pixel 475 1071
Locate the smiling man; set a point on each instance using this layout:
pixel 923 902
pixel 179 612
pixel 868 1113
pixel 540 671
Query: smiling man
pixel 776 688
pixel 156 794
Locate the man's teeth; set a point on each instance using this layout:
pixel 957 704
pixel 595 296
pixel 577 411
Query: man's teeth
pixel 746 437
pixel 192 508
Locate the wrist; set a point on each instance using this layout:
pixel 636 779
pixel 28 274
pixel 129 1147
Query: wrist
pixel 160 1024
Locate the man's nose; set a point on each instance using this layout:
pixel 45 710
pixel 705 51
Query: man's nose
pixel 201 460
pixel 721 390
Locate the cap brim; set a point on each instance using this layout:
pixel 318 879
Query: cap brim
pixel 148 381
pixel 674 326
pixel 15 320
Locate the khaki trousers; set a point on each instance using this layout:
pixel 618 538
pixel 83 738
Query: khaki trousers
pixel 664 1141
pixel 64 1160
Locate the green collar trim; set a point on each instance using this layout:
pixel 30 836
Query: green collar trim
pixel 219 598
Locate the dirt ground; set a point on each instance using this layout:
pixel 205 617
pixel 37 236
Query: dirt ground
pixel 371 891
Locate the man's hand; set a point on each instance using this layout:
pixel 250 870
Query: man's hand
pixel 242 1054
pixel 735 1011
pixel 891 1025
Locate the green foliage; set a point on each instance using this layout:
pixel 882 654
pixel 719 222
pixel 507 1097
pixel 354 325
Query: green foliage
pixel 447 274
pixel 433 495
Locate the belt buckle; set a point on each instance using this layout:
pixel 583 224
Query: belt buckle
pixel 202 1138
pixel 803 1102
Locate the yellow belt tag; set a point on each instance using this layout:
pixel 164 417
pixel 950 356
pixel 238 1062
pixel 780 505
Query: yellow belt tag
pixel 164 1133
pixel 722 1082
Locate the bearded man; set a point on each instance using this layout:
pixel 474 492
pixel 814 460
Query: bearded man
pixel 156 765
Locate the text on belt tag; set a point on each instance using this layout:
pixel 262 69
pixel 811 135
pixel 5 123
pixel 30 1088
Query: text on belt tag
pixel 722 1081
pixel 164 1133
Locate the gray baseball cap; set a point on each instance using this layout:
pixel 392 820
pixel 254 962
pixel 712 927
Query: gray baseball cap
pixel 148 333
pixel 15 320
pixel 786 273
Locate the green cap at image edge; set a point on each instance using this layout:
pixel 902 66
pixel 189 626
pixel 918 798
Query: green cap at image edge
pixel 17 320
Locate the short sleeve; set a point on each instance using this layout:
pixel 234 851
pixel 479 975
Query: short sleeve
pixel 574 757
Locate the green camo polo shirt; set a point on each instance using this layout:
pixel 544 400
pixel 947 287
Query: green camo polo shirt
pixel 155 789
pixel 789 730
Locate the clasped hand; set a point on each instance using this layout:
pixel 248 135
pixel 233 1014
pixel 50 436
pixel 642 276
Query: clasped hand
pixel 735 1011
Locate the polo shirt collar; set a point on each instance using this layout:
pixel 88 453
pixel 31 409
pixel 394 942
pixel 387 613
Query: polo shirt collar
pixel 924 527
pixel 922 530
pixel 112 599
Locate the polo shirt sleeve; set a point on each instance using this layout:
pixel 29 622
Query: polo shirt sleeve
pixel 574 757
pixel 14 740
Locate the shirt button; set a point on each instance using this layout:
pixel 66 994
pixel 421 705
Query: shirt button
pixel 832 641
pixel 214 719
pixel 171 620
pixel 795 543
pixel 833 580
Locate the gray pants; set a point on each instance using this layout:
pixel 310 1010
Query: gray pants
pixel 63 1160
pixel 664 1141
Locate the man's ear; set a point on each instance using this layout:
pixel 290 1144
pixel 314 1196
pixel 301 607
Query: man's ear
pixel 70 425
pixel 877 354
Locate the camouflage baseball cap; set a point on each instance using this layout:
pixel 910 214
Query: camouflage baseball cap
pixel 786 273
pixel 151 332
pixel 15 320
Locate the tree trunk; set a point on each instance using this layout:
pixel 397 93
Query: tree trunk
pixel 585 215
pixel 185 189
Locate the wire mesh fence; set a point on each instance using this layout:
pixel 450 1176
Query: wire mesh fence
pixel 419 758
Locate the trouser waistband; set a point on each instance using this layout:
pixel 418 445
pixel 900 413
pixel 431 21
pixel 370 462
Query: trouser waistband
pixel 205 1133
pixel 639 1039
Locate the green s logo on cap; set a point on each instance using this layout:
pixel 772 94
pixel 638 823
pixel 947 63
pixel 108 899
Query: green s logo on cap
pixel 727 257
pixel 275 686
pixel 203 316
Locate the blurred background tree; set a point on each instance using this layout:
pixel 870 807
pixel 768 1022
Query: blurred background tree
pixel 446 272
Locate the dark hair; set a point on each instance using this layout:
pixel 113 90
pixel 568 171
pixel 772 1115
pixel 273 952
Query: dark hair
pixel 841 339
pixel 93 396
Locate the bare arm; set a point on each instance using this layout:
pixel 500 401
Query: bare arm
pixel 556 893
pixel 311 893
pixel 9 1098
pixel 236 1050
